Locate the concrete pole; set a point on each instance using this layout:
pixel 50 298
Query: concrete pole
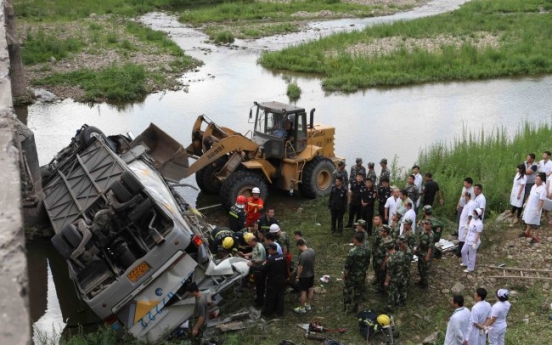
pixel 18 85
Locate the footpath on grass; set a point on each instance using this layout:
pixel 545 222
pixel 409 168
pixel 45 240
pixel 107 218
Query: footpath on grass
pixel 481 40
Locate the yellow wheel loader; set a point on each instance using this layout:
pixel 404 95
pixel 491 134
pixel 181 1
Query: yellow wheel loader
pixel 285 149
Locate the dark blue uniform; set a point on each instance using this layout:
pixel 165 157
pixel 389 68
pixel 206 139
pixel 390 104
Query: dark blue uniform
pixel 275 270
pixel 337 205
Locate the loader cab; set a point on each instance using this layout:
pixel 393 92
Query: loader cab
pixel 281 129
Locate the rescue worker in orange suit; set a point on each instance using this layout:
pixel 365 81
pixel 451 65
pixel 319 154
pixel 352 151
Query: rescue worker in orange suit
pixel 253 207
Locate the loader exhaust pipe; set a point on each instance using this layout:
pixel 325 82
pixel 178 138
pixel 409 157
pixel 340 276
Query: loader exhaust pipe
pixel 311 126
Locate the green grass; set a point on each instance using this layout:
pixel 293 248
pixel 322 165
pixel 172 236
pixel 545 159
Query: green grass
pixel 48 10
pixel 490 158
pixel 158 38
pixel 121 83
pixel 293 92
pixel 524 41
pixel 41 46
pixel 223 37
pixel 273 11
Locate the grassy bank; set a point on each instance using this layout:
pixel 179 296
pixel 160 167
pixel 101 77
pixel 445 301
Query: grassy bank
pixel 483 39
pixel 490 158
pixel 101 58
pixel 254 19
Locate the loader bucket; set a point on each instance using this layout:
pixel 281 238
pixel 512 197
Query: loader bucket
pixel 169 157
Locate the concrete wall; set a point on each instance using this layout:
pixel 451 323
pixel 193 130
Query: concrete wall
pixel 14 313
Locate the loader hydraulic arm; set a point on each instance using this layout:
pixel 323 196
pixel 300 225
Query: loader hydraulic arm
pixel 232 143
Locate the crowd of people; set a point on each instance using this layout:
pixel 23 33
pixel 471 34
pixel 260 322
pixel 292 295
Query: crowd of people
pixel 401 230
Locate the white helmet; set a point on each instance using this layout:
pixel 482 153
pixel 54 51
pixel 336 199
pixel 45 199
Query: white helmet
pixel 274 228
pixel 256 190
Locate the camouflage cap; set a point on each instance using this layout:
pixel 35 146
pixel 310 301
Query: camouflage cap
pixel 342 162
pixel 371 164
pixel 428 209
pixel 391 245
pixel 426 221
pixel 399 214
pixel 386 228
pixel 383 161
pixel 401 239
pixel 361 222
pixel 359 160
pixel 408 221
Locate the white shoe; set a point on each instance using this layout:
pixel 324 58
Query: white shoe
pixel 463 265
pixel 466 271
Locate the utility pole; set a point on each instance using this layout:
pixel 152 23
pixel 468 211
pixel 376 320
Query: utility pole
pixel 18 85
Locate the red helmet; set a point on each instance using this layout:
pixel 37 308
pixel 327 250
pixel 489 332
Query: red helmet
pixel 240 200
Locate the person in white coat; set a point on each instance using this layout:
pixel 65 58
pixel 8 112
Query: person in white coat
pixel 473 240
pixel 533 207
pixel 458 324
pixel 517 194
pixel 463 221
pixel 479 314
pixel 496 324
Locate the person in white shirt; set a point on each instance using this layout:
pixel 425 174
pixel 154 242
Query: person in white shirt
pixel 545 166
pixel 410 214
pixel 418 179
pixel 480 199
pixel 467 187
pixel 473 240
pixel 533 207
pixel 517 194
pixel 496 324
pixel 391 205
pixel 459 322
pixel 463 222
pixel 479 314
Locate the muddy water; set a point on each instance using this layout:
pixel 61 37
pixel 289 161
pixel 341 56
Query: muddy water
pixel 372 124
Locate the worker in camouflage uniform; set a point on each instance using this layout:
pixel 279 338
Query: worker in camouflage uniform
pixel 395 225
pixel 354 274
pixel 409 237
pixel 395 280
pixel 341 172
pixel 424 251
pixel 357 169
pixel 378 225
pixel 436 227
pixel 412 191
pixel 371 174
pixel 408 256
pixel 385 172
pixel 360 228
pixel 380 258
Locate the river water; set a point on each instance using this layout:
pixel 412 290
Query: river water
pixel 372 124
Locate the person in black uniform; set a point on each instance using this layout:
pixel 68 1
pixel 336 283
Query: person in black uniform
pixel 337 204
pixel 236 216
pixel 384 192
pixel 217 243
pixel 368 200
pixel 267 220
pixel 355 206
pixel 275 270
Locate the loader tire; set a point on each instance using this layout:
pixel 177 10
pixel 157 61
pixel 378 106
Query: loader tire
pixel 212 185
pixel 317 177
pixel 241 182
pixel 199 179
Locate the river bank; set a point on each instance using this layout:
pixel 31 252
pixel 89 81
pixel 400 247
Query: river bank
pixel 483 39
pixel 103 53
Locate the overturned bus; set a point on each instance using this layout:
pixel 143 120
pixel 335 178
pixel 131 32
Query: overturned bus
pixel 131 241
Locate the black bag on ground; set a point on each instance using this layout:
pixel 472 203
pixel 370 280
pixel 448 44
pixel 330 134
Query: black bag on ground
pixel 368 323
